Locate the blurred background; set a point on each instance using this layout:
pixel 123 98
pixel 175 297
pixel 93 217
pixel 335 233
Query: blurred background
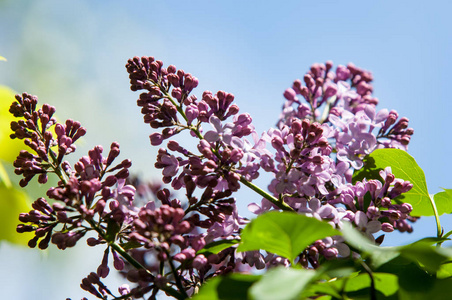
pixel 72 55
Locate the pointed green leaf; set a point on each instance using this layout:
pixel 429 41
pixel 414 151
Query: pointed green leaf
pixel 403 166
pixel 282 283
pixel 216 247
pixel 112 229
pixel 130 245
pixel 283 233
pixel 443 201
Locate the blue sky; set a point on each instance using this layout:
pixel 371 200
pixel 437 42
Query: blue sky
pixel 72 55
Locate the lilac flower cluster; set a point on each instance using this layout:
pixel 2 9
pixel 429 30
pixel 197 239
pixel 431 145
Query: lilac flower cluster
pixel 321 141
pixel 159 240
pixel 90 197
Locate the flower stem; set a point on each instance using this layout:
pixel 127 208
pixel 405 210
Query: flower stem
pixel 373 294
pixel 281 204
pixel 177 277
pixel 439 230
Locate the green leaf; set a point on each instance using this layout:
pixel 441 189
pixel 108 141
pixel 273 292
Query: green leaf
pixel 403 166
pixel 130 245
pixel 282 283
pixel 216 247
pixel 427 256
pixel 445 271
pixel 283 233
pixel 112 229
pixel 230 287
pixel 410 276
pixel 426 288
pixel 443 201
pixel 379 255
pixel 10 148
pixel 326 288
pixel 386 283
pixel 2 58
pixel 12 203
pixel 422 252
pixel 367 201
pixel 4 178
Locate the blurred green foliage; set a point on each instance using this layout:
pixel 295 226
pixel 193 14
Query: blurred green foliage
pixel 12 200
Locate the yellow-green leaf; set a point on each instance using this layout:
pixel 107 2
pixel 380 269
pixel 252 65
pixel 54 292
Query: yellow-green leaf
pixel 12 203
pixel 10 148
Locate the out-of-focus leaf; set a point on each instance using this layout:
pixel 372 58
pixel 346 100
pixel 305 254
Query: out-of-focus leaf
pixel 422 252
pixel 282 284
pixel 283 233
pixel 4 178
pixel 445 271
pixel 10 148
pixel 2 58
pixel 326 288
pixel 386 283
pixel 216 247
pixel 436 289
pixel 380 255
pixel 230 287
pixel 12 203
pixel 443 201
pixel 427 256
pixel 403 166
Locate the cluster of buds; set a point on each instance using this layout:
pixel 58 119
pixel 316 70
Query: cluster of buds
pixel 168 105
pixel 373 201
pixel 35 129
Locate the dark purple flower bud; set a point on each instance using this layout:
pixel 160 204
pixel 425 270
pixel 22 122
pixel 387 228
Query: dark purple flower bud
pixel 277 143
pixel 171 69
pixel 328 65
pixel 180 257
pixel 174 80
pixel 198 243
pixel 44 243
pixel 309 81
pixel 123 174
pixel 386 227
pixel 290 95
pixel 190 82
pixel 103 269
pixel 177 93
pixel 72 238
pixel 330 253
pixel 117 261
pixel 406 208
pixel 191 111
pixel 330 91
pixel 200 261
pixel 177 239
pixel 21 228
